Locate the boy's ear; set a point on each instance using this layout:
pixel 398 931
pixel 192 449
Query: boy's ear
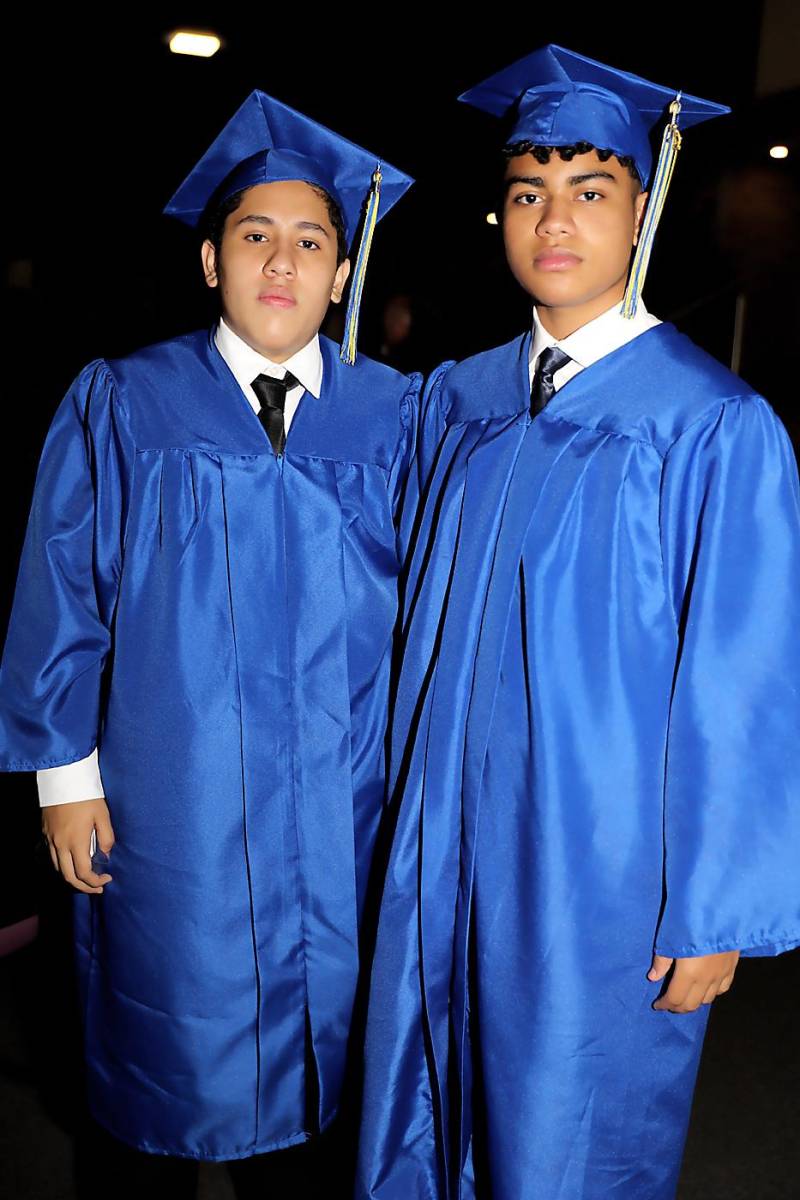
pixel 639 205
pixel 339 280
pixel 209 257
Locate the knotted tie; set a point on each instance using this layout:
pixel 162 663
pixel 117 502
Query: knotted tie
pixel 549 361
pixel 271 394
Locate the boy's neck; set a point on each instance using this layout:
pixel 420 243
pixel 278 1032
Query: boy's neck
pixel 560 322
pixel 274 354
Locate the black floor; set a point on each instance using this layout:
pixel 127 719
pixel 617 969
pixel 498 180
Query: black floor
pixel 744 1142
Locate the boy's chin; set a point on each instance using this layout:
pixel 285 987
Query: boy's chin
pixel 274 339
pixel 559 294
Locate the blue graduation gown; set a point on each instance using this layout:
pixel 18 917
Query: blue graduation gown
pixel 219 620
pixel 595 755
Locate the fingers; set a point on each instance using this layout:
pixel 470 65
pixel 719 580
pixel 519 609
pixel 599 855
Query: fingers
pixel 82 864
pixel 66 866
pixel 697 981
pixel 659 968
pixel 682 996
pixel 69 829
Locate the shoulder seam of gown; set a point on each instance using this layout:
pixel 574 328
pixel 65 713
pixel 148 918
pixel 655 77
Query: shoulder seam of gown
pixel 118 396
pixel 630 437
pixel 413 389
pixel 522 414
pixel 719 404
pixel 217 454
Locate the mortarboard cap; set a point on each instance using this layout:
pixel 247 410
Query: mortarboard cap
pixel 562 97
pixel 266 141
pixel 559 98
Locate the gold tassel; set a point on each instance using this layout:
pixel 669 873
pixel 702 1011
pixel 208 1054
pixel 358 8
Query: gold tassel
pixel 347 354
pixel 670 145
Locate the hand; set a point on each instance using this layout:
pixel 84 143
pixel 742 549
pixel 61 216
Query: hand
pixel 695 981
pixel 68 829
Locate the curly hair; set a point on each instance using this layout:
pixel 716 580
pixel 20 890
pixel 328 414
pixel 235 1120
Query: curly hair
pixel 567 153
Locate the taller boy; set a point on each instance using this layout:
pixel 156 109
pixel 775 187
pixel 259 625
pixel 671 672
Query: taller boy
pixel 596 746
pixel 207 593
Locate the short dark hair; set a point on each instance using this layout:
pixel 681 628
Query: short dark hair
pixel 213 224
pixel 567 153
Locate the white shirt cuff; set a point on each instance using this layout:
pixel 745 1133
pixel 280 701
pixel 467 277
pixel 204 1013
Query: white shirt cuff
pixel 75 781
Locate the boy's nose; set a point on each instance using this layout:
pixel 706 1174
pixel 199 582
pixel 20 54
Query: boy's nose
pixel 554 218
pixel 278 263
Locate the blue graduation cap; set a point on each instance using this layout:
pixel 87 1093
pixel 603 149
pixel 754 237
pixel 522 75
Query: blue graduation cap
pixel 560 98
pixel 266 141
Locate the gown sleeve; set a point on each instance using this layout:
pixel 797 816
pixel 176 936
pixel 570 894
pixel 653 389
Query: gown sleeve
pixel 429 427
pixel 59 631
pixel 404 454
pixel 730 530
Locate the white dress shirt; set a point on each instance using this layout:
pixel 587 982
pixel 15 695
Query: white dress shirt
pixel 246 364
pixel 81 780
pixel 591 342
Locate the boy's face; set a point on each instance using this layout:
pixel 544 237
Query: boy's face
pixel 568 229
pixel 277 267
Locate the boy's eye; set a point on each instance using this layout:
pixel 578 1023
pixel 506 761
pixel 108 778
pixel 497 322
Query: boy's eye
pixel 307 243
pixel 591 196
pixel 255 237
pixel 526 198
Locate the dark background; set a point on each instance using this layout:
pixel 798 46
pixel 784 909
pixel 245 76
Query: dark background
pixel 102 124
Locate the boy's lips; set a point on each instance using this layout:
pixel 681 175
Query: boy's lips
pixel 277 299
pixel 555 260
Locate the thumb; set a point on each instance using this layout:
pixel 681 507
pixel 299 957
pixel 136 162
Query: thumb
pixel 659 968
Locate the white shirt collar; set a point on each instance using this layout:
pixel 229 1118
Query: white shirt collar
pixel 246 363
pixel 592 341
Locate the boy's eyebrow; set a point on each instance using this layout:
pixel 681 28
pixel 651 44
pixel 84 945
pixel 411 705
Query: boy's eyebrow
pixel 258 219
pixel 573 181
pixel 313 225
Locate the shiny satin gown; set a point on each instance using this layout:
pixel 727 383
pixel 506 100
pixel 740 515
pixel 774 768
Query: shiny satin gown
pixel 220 619
pixel 595 755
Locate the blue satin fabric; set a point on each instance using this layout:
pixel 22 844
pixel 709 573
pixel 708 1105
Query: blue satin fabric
pixel 240 609
pixel 595 755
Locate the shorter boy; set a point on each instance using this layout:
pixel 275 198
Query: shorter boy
pixel 204 618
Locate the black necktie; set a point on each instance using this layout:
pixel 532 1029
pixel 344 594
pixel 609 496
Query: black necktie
pixel 549 361
pixel 271 394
